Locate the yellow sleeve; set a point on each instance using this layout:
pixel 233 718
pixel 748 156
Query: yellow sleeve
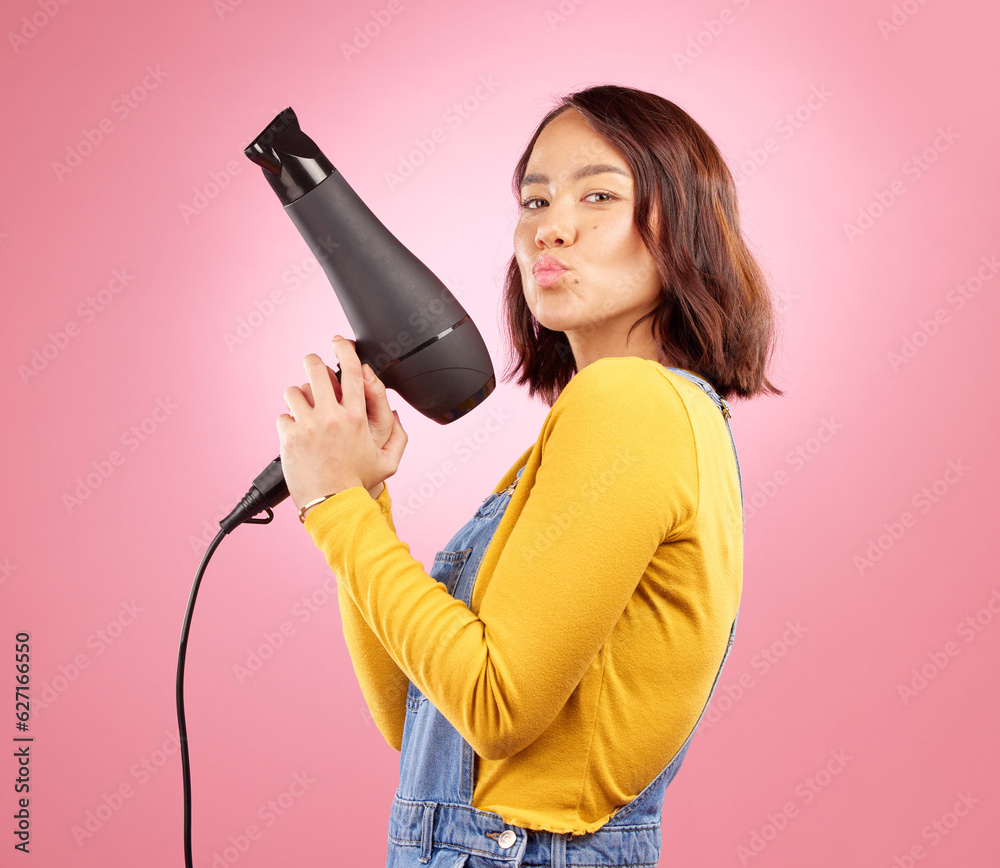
pixel 617 477
pixel 382 682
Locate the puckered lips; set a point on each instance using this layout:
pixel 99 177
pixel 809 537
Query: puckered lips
pixel 547 269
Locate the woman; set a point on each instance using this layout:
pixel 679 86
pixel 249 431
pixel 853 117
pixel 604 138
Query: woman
pixel 544 680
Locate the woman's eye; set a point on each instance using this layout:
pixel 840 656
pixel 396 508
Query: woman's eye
pixel 527 203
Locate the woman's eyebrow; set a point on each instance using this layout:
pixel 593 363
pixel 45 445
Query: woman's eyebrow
pixel 583 172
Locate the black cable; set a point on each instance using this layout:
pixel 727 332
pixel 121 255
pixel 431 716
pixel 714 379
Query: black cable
pixel 182 726
pixel 251 504
pixel 267 491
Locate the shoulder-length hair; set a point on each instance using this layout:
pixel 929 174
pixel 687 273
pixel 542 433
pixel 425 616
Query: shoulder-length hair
pixel 715 316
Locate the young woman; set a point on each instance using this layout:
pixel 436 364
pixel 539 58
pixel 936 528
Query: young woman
pixel 544 681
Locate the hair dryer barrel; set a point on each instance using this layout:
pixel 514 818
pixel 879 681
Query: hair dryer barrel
pixel 408 326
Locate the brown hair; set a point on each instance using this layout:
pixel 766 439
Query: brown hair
pixel 715 316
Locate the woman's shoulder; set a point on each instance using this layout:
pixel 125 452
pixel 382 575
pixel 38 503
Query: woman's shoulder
pixel 618 395
pixel 631 410
pixel 622 397
pixel 627 381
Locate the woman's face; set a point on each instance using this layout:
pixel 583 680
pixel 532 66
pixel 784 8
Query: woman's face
pixel 577 203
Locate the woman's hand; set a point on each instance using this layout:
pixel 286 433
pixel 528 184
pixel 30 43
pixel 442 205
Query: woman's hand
pixel 338 435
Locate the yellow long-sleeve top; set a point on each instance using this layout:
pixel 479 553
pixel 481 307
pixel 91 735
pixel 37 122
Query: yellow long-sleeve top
pixel 601 609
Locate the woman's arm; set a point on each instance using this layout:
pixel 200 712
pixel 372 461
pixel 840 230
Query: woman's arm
pixel 617 476
pixel 382 682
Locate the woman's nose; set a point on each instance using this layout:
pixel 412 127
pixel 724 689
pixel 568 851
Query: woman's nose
pixel 556 227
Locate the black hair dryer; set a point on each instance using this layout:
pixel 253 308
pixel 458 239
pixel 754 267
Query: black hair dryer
pixel 408 327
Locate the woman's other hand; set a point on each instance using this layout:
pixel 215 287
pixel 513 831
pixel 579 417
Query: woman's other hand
pixel 338 435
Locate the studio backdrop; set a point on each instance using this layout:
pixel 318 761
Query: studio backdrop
pixel 157 303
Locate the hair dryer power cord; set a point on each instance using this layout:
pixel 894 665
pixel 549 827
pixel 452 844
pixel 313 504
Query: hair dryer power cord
pixel 181 655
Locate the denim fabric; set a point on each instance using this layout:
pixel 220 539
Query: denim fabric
pixel 432 823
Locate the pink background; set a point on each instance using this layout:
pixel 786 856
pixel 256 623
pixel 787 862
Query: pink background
pixel 854 712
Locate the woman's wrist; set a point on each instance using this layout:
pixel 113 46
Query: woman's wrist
pixel 374 492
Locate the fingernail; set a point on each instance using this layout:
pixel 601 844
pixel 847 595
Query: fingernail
pixel 338 337
pixel 369 374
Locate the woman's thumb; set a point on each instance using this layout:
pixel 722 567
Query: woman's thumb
pixel 396 443
pixel 377 406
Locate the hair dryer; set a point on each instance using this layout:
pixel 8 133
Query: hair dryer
pixel 408 327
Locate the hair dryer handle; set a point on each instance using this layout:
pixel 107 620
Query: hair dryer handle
pixel 267 491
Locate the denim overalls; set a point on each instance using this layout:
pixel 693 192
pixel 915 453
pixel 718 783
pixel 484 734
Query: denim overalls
pixel 432 823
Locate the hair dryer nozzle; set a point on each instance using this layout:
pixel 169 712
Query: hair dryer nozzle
pixel 292 163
